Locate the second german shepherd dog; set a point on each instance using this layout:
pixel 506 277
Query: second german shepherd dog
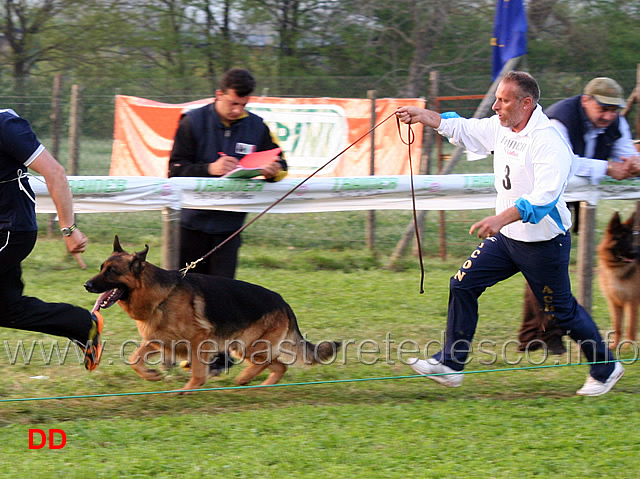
pixel 197 317
pixel 619 276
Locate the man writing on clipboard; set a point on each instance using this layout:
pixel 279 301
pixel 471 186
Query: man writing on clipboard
pixel 210 142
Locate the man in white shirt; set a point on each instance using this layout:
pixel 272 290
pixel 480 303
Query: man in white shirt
pixel 529 232
pixel 602 140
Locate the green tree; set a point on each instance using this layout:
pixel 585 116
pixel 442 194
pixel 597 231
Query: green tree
pixel 401 41
pixel 591 35
pixel 294 30
pixel 53 36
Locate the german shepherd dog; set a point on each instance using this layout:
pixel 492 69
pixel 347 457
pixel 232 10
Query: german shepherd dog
pixel 197 317
pixel 619 276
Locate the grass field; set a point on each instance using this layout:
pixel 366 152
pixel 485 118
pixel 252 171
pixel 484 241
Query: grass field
pixel 365 415
pixel 509 423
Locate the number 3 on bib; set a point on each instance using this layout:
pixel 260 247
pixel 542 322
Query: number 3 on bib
pixel 506 182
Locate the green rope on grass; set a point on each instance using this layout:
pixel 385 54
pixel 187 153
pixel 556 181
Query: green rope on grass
pixel 310 383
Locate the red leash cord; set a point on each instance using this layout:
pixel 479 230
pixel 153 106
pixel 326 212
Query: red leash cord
pixel 410 139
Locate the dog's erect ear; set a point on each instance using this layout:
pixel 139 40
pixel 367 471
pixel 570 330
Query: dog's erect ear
pixel 631 221
pixel 142 255
pixel 116 245
pixel 614 222
pixel 137 265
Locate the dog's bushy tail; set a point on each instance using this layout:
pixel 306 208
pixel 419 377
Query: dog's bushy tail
pixel 297 350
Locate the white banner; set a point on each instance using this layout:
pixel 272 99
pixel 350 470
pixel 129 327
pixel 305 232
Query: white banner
pixel 93 194
pixel 105 194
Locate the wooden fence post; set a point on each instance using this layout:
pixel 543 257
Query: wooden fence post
pixel 586 254
pixel 75 120
pixel 637 98
pixel 636 227
pixel 371 214
pixel 56 118
pixel 55 139
pixel 171 239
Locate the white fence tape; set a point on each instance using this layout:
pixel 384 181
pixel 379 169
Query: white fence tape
pixel 97 194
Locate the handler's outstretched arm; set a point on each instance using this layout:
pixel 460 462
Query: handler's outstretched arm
pixel 413 114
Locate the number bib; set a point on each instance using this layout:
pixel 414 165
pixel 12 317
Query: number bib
pixel 510 159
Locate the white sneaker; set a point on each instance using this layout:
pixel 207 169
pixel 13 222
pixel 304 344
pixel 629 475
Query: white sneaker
pixel 443 374
pixel 593 387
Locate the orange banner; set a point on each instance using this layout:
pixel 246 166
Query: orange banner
pixel 311 132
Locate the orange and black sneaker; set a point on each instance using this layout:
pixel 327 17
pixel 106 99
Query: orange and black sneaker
pixel 93 349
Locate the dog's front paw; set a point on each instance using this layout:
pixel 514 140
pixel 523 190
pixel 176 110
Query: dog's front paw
pixel 190 386
pixel 149 374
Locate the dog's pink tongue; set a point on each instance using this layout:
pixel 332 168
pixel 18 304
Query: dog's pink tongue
pixel 107 299
pixel 96 307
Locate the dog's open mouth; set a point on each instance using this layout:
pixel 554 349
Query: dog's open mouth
pixel 108 298
pixel 626 259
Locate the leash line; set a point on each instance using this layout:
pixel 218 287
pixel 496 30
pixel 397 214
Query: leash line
pixel 185 270
pixel 410 139
pixel 309 383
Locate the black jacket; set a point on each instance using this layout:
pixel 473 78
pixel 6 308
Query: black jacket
pixel 570 113
pixel 200 139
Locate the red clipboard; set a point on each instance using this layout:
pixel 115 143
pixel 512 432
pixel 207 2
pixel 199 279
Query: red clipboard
pixel 260 158
pixel 251 164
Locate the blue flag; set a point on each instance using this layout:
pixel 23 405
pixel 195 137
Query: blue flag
pixel 509 33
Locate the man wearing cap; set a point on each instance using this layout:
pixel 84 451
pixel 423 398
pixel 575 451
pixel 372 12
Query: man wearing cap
pixel 602 140
pixel 597 132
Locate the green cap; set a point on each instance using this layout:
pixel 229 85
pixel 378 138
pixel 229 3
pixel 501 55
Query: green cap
pixel 606 91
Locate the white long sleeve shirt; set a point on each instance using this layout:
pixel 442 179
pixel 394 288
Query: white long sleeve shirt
pixel 531 168
pixel 597 169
